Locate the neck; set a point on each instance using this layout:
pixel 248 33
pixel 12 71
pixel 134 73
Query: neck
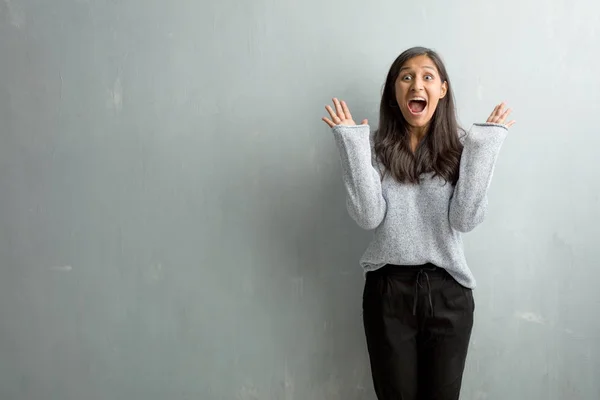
pixel 416 135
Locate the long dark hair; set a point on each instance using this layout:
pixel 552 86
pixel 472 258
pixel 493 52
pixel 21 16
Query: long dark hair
pixel 439 151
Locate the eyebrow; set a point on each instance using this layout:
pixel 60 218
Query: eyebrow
pixel 426 66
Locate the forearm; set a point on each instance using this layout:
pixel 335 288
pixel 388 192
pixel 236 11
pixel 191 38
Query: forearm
pixel 362 180
pixel 469 201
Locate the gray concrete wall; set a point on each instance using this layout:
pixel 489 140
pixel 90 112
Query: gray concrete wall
pixel 172 219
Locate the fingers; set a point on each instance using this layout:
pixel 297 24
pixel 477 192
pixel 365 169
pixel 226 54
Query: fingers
pixel 346 110
pixel 505 115
pixel 340 115
pixel 492 116
pixel 500 115
pixel 333 115
pixel 328 122
pixel 338 108
pixel 497 109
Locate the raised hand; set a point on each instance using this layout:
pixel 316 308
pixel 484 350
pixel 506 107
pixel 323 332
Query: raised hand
pixel 341 115
pixel 499 115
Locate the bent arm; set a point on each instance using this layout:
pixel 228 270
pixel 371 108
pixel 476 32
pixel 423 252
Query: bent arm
pixel 469 202
pixel 362 180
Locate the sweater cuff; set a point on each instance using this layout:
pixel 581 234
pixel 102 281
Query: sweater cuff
pixel 351 129
pixel 487 133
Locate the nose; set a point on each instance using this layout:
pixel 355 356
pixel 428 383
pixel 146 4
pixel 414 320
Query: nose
pixel 417 85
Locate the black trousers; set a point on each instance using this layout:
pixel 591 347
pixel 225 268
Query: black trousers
pixel 418 323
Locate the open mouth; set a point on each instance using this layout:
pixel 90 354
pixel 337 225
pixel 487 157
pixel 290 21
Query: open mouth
pixel 417 105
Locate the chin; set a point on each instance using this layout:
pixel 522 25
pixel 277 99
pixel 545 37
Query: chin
pixel 419 124
pixel 422 122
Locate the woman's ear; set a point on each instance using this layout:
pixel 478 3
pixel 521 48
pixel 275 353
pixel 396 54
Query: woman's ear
pixel 444 90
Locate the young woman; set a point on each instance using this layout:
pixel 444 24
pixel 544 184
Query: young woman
pixel 419 182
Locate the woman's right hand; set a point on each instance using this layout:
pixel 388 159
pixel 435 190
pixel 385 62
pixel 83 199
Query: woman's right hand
pixel 341 115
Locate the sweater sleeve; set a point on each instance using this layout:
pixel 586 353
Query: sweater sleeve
pixel 469 202
pixel 362 179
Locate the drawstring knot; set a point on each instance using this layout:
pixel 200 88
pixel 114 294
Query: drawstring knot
pixel 420 274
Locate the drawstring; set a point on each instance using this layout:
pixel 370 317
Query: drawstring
pixel 417 286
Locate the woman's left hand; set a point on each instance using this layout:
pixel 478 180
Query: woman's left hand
pixel 499 115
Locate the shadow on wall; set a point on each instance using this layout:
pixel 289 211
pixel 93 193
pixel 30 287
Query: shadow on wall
pixel 306 275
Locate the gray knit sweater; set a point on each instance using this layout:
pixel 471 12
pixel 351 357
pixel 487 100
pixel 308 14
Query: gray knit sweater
pixel 418 224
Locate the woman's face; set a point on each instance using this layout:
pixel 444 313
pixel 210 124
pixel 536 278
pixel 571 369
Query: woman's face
pixel 419 89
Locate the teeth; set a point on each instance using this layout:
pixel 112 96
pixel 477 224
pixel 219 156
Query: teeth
pixel 418 98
